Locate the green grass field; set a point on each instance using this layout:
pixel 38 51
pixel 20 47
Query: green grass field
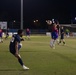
pixel 40 58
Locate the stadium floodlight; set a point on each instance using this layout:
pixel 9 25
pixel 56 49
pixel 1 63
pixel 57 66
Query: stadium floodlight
pixel 14 21
pixel 34 21
pixel 21 14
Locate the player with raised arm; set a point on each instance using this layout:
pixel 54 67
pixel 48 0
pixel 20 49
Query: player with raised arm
pixel 15 46
pixel 54 35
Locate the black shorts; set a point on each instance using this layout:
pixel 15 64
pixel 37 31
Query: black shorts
pixel 12 49
pixel 13 52
pixel 62 36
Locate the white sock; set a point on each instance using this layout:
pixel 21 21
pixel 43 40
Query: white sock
pixel 54 43
pixel 57 40
pixel 51 43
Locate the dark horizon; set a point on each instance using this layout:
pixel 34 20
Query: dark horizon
pixel 42 10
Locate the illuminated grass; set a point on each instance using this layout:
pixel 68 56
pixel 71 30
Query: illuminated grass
pixel 40 58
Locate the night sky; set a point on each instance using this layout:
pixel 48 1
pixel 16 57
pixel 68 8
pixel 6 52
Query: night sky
pixel 62 10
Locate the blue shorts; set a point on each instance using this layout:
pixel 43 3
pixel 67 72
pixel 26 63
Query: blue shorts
pixel 54 35
pixel 27 33
pixel 1 35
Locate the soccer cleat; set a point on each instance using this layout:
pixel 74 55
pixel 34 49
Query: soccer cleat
pixel 25 68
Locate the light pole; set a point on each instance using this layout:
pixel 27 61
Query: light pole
pixel 21 14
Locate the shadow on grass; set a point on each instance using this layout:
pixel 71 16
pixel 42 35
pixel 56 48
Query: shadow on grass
pixel 13 70
pixel 20 71
pixel 70 47
pixel 26 51
pixel 65 57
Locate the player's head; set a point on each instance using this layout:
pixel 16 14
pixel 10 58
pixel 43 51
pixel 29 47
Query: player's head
pixel 20 33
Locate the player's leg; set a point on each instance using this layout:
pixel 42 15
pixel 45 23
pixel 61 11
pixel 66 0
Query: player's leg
pixel 21 62
pixel 60 41
pixel 2 39
pixel 57 40
pixel 54 42
pixel 6 36
pixel 28 37
pixel 51 41
pixel 18 57
pixel 64 42
pixel 61 37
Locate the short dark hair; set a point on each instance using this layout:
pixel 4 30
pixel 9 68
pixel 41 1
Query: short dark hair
pixel 19 31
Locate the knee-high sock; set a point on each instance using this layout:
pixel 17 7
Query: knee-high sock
pixel 20 61
pixel 51 43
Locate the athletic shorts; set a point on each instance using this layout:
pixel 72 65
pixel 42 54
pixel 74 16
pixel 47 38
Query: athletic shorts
pixel 62 36
pixel 54 35
pixel 12 49
pixel 1 35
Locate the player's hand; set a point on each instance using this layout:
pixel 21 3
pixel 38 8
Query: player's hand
pixel 22 39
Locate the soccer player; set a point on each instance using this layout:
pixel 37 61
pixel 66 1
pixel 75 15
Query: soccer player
pixel 67 32
pixel 28 33
pixel 58 27
pixel 1 39
pixel 15 46
pixel 7 33
pixel 54 35
pixel 62 36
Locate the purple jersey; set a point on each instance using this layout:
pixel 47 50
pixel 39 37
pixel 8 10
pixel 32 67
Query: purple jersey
pixel 54 33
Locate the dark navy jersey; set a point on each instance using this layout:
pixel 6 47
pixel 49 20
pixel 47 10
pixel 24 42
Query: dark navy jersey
pixel 15 38
pixel 62 31
pixel 62 34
